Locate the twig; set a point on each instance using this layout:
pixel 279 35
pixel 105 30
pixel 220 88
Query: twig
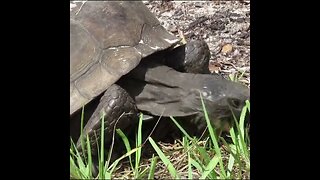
pixel 80 7
pixel 113 134
pixel 153 129
pixel 199 20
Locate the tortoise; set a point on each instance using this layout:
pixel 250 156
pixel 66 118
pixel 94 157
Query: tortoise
pixel 125 61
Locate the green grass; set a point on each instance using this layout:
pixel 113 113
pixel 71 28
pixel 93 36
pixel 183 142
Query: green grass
pixel 235 77
pixel 165 160
pixel 212 158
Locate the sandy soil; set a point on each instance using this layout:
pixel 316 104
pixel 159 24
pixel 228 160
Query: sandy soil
pixel 224 25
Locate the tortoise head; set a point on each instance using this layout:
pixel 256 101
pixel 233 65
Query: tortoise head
pixel 224 101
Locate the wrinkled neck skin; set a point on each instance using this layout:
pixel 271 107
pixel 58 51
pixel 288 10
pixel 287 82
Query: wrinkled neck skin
pixel 160 90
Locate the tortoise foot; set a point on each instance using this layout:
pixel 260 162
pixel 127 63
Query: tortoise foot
pixel 118 109
pixel 192 57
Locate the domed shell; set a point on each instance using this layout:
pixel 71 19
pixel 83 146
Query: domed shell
pixel 108 40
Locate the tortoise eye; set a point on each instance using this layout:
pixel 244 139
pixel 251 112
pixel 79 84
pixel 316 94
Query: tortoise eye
pixel 235 103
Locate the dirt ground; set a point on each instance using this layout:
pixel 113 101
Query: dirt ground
pixel 224 25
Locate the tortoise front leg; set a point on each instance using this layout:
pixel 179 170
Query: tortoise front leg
pixel 118 108
pixel 192 57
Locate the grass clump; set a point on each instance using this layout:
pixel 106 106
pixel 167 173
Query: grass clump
pixel 211 158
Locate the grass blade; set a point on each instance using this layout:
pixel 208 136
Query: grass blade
pixel 101 172
pixel 80 162
pixel 234 137
pixel 230 166
pixel 112 167
pixel 212 164
pixel 242 118
pixel 138 145
pixel 248 105
pixel 89 157
pixel 126 143
pixel 196 165
pixel 180 128
pixel 213 137
pixel 81 130
pixel 142 174
pixel 164 159
pixel 74 171
pixel 240 137
pixel 152 166
pixel 203 154
pixel 189 167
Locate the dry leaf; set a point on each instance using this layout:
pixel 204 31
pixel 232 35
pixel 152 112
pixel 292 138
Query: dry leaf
pixel 214 67
pixel 226 48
